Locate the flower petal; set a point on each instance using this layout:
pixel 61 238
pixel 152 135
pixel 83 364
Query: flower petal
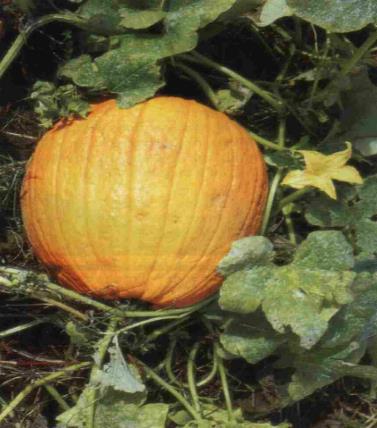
pixel 339 159
pixel 315 161
pixel 297 179
pixel 349 174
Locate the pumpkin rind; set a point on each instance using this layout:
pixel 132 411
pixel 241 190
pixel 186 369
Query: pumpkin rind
pixel 143 202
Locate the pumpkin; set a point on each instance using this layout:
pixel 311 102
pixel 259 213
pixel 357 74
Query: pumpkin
pixel 143 202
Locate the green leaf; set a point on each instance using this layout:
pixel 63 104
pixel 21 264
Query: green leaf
pixel 328 250
pixel 114 409
pixel 134 81
pixel 273 10
pixel 246 253
pixel 251 338
pixel 356 321
pixel 83 72
pixel 315 296
pixel 132 69
pixel 337 16
pixel 117 414
pixel 102 15
pixel 358 121
pixel 355 211
pixel 138 18
pixel 284 159
pixel 317 284
pixel 315 370
pixel 243 291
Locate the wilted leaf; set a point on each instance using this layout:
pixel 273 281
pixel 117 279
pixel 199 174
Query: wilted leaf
pixel 76 334
pixel 117 373
pixel 52 103
pixel 233 100
pixel 246 253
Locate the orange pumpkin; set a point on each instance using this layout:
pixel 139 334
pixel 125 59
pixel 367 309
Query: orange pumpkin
pixel 143 202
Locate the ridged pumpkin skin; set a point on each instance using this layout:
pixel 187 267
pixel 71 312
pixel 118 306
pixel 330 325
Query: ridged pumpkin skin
pixel 143 202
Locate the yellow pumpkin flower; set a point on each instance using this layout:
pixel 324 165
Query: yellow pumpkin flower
pixel 320 171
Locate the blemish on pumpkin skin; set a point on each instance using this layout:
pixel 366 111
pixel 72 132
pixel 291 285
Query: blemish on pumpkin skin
pixel 219 201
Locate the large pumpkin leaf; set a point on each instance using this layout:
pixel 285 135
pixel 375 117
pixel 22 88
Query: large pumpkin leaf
pixel 132 68
pixel 335 15
pixel 246 252
pixel 340 349
pixel 315 293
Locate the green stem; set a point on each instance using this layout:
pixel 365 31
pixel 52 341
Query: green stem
pixel 102 346
pixel 57 397
pixel 201 82
pixel 276 180
pixel 191 377
pixel 290 226
pixel 19 276
pixel 165 329
pixel 147 321
pixel 349 65
pixel 293 197
pixel 36 384
pixel 270 200
pixel 168 363
pixel 225 387
pixel 359 53
pixel 21 327
pixel 281 132
pixel 266 143
pixel 156 378
pixel 318 73
pixel 66 308
pixel 207 379
pixel 22 38
pixel 267 96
